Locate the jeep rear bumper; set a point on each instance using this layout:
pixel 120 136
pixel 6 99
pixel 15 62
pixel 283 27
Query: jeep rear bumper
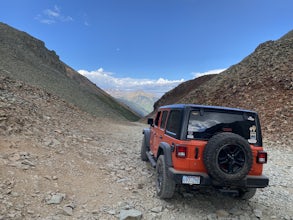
pixel 205 180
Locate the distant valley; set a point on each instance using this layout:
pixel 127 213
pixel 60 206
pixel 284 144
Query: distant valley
pixel 140 101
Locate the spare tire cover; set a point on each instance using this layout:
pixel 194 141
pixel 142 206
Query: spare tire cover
pixel 227 157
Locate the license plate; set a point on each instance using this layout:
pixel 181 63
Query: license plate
pixel 191 180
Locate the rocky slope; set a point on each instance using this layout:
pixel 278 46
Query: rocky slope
pixel 26 58
pixel 58 162
pixel 263 82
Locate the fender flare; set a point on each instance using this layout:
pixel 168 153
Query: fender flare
pixel 147 134
pixel 165 148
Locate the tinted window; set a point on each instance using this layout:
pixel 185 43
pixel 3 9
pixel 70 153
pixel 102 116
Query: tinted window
pixel 157 118
pixel 174 121
pixel 207 124
pixel 164 118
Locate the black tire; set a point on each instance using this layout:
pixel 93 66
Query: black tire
pixel 165 185
pixel 246 194
pixel 143 150
pixel 227 157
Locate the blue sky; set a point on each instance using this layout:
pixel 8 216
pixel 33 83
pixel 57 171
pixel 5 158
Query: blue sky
pixel 149 43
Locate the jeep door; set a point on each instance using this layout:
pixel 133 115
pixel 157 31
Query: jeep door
pixel 158 131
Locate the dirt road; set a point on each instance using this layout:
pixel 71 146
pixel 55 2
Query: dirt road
pixel 57 162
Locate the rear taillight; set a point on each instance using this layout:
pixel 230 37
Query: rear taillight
pixel 261 157
pixel 181 151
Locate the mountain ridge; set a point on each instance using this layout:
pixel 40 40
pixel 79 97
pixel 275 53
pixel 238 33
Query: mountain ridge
pixel 25 58
pixel 262 81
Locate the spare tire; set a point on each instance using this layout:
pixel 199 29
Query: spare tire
pixel 227 157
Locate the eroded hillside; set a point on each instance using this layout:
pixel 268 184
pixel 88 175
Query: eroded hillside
pixel 263 82
pixel 25 58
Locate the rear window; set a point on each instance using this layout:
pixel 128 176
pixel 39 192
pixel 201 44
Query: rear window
pixel 205 124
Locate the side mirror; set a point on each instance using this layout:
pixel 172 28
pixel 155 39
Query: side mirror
pixel 151 121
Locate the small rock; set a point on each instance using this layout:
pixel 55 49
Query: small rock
pixel 131 214
pixel 56 142
pixel 27 162
pixel 170 206
pixel 95 212
pixel 121 180
pixel 14 157
pixel 48 143
pixel 157 209
pixel 15 194
pixel 222 213
pixel 244 217
pixel 25 167
pixel 58 131
pixel 46 117
pixel 24 155
pixel 31 212
pixel 56 199
pixel 111 212
pixel 187 195
pixel 67 211
pixel 12 215
pixel 235 211
pixel 257 213
pixel 211 217
pixel 47 177
pixel 140 186
pixel 71 205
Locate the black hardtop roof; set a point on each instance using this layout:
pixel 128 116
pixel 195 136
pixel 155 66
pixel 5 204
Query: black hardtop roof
pixel 182 106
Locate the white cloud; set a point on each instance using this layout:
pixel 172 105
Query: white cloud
pixel 107 80
pixel 215 71
pixel 51 16
pixel 52 13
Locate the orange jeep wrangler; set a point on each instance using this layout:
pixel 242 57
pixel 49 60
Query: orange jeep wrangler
pixel 205 146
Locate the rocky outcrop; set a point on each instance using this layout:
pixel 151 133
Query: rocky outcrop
pixel 28 49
